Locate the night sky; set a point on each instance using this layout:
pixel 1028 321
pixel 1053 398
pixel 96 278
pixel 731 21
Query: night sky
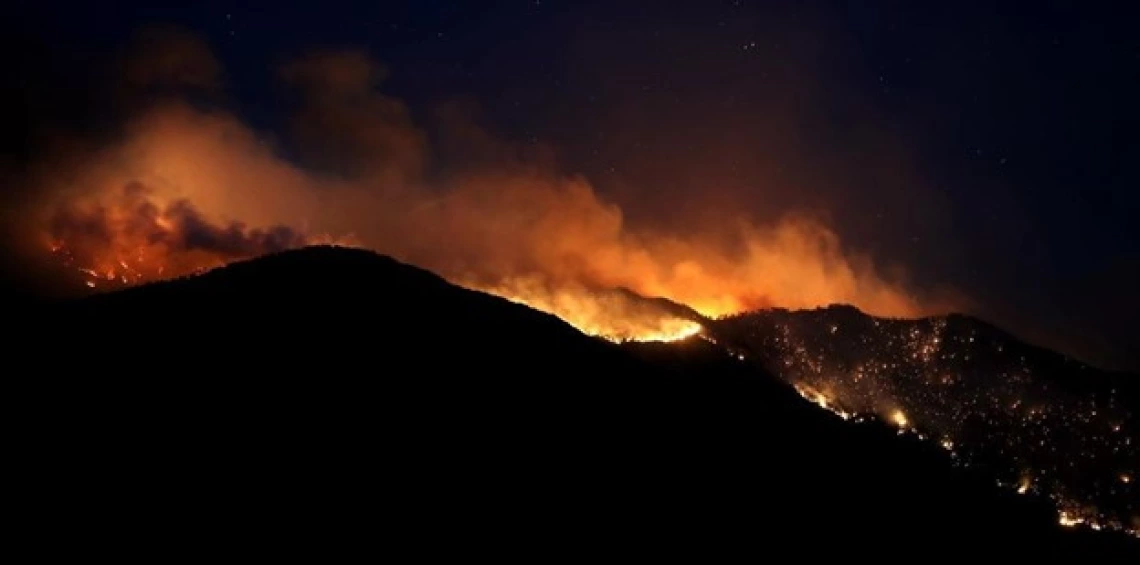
pixel 986 148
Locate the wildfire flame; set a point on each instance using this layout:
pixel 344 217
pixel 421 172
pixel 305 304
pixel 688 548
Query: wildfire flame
pixel 582 312
pixel 607 314
pixel 822 400
pixel 899 419
pixel 128 238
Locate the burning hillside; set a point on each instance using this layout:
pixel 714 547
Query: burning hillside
pixel 1042 424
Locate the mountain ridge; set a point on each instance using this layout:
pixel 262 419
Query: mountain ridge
pixel 463 415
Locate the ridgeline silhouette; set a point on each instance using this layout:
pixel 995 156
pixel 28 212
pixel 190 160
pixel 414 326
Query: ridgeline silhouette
pixel 325 401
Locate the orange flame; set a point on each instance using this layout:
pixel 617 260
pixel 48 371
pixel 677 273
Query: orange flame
pixel 611 315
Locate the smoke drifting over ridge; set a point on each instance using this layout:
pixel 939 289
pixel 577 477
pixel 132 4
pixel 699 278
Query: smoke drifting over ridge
pixel 184 187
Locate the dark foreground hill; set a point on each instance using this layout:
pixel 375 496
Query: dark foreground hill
pixel 327 402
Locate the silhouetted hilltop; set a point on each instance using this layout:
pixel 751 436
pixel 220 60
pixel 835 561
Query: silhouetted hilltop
pixel 327 400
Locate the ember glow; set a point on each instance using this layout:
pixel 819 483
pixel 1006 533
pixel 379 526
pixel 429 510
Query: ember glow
pixel 988 401
pixel 899 419
pixel 822 400
pixel 1069 519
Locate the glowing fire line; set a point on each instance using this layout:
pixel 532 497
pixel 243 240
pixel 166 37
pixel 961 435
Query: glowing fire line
pixel 1066 517
pixel 113 269
pixel 598 322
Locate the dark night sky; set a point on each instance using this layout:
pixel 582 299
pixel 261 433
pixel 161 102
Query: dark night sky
pixel 987 147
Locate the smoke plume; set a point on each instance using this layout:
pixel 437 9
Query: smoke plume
pixel 183 187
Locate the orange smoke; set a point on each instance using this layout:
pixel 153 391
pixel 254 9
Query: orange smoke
pixel 544 240
pixel 186 189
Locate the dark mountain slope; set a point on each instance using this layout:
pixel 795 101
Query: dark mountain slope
pixel 330 400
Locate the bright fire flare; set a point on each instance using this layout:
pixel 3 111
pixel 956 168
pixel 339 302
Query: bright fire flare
pixel 822 400
pixel 899 419
pixel 608 315
pixel 1070 520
